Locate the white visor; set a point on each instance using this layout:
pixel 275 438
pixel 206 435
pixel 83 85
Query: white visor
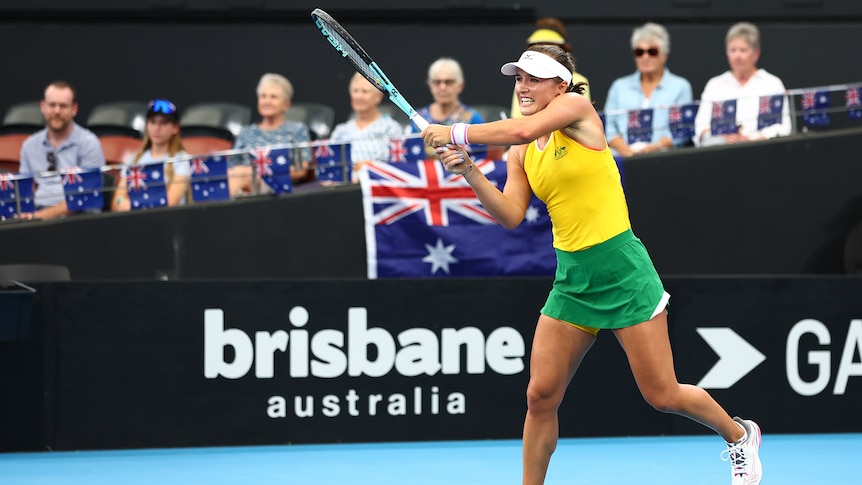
pixel 539 65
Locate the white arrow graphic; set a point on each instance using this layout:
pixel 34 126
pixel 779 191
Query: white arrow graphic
pixel 736 358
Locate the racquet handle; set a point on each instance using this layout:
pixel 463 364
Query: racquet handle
pixel 421 122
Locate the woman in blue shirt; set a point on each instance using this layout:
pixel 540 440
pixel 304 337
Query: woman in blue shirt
pixel 651 86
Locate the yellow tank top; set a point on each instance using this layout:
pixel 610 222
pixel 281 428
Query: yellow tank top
pixel 582 189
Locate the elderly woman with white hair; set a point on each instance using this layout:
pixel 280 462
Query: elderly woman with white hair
pixel 274 93
pixel 446 82
pixel 651 86
pixel 745 83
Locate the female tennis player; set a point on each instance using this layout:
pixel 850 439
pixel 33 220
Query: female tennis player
pixel 604 279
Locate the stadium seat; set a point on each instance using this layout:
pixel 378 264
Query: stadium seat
pixel 202 144
pixel 10 151
pixel 119 148
pixel 491 112
pixel 124 118
pixel 23 118
pixel 220 120
pixel 33 273
pixel 319 118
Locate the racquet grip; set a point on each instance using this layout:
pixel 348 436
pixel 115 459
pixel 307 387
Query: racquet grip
pixel 421 122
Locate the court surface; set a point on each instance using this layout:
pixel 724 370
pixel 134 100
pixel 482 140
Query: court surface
pixel 813 459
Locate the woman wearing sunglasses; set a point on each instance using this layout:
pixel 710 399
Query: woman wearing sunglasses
pixel 161 144
pixel 652 86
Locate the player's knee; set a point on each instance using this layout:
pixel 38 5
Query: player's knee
pixel 662 400
pixel 540 396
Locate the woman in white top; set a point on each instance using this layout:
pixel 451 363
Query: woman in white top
pixel 161 143
pixel 745 83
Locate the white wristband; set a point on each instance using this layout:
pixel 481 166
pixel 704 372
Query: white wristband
pixel 458 133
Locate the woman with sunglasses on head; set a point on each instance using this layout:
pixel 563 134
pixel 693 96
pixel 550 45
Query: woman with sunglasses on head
pixel 446 82
pixel 605 278
pixel 162 143
pixel 651 86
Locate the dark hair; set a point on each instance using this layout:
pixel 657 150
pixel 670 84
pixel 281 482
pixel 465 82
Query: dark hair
pixel 64 85
pixel 553 23
pixel 565 58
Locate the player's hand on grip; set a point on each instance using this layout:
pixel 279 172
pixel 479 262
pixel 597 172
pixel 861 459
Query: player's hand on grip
pixel 455 159
pixel 436 135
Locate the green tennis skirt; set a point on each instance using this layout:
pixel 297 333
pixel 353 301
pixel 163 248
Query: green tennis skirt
pixel 611 285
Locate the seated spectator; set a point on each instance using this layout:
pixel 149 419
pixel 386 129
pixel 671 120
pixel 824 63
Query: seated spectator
pixel 367 130
pixel 745 83
pixel 62 144
pixel 162 143
pixel 651 86
pixel 446 82
pixel 550 31
pixel 274 93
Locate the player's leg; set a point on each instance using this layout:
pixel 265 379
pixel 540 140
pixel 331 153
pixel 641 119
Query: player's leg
pixel 647 347
pixel 558 348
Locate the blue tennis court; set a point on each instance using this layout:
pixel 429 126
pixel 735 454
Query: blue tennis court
pixel 787 460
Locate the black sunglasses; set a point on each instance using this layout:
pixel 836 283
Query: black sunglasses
pixel 652 51
pixel 52 161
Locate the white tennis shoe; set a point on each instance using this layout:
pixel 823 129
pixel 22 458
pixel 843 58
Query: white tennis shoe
pixel 745 468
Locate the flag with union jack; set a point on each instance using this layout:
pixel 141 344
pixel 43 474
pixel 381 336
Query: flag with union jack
pixel 273 167
pixel 815 108
pixel 406 149
pixel 333 162
pixel 681 121
pixel 770 110
pixel 16 195
pixel 640 126
pixel 723 117
pixel 82 188
pixel 424 222
pixel 853 102
pixel 146 186
pixel 209 179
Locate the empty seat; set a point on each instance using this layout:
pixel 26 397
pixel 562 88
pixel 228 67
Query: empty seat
pixel 10 151
pixel 33 273
pixel 201 144
pixel 127 118
pixel 318 117
pixel 221 120
pixel 119 148
pixel 23 118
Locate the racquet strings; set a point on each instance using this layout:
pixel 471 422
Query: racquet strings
pixel 347 45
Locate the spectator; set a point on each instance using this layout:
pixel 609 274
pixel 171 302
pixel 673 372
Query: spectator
pixel 550 31
pixel 162 143
pixel 446 82
pixel 274 93
pixel 367 130
pixel 62 144
pixel 745 83
pixel 651 86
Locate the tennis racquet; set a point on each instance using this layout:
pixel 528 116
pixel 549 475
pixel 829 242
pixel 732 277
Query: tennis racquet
pixel 345 44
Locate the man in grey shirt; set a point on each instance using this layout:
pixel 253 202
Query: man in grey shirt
pixel 62 144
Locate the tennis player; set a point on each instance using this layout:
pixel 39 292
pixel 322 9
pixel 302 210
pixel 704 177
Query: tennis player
pixel 604 279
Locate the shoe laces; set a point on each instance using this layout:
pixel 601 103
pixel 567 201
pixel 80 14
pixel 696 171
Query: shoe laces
pixel 738 459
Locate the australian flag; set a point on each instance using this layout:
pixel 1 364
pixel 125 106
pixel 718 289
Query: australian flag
pixel 853 102
pixel 681 121
pixel 333 162
pixel 815 108
pixel 402 149
pixel 770 110
pixel 209 179
pixel 640 126
pixel 146 186
pixel 82 188
pixel 723 117
pixel 15 190
pixel 273 167
pixel 424 222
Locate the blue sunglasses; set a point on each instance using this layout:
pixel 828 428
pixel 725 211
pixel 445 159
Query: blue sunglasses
pixel 162 106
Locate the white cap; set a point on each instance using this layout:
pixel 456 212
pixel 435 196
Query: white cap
pixel 539 65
